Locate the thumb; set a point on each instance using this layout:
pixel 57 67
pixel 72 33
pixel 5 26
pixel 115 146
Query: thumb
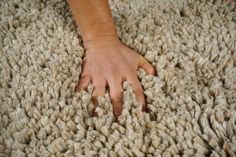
pixel 143 63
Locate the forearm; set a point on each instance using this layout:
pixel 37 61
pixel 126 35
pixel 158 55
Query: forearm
pixel 94 19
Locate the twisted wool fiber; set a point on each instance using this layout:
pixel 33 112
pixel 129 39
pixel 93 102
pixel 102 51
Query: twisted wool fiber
pixel 191 101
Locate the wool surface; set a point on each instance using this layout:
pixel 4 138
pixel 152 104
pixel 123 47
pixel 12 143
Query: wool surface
pixel 191 100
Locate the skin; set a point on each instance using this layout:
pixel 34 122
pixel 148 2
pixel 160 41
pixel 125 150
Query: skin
pixel 107 61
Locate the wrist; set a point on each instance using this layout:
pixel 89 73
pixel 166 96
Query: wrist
pixel 101 40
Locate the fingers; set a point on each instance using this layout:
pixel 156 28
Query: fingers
pixel 116 93
pixel 138 90
pixel 143 63
pixel 99 87
pixel 99 90
pixel 83 82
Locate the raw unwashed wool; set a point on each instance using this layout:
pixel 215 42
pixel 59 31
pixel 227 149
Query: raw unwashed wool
pixel 191 100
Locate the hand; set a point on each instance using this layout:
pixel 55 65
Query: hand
pixel 109 62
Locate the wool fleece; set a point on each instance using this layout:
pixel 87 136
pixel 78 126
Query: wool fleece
pixel 191 99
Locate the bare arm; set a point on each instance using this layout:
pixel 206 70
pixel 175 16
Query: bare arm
pixel 94 20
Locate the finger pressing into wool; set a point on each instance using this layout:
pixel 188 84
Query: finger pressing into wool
pixel 138 90
pixel 143 63
pixel 83 82
pixel 99 90
pixel 116 95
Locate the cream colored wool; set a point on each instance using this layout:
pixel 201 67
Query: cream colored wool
pixel 191 101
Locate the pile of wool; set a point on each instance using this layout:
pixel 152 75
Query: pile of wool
pixel 191 100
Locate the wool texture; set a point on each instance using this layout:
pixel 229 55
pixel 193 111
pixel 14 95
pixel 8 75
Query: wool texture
pixel 191 99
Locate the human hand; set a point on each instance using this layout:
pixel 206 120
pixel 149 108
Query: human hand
pixel 108 62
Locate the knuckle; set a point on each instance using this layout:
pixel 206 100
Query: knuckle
pixel 113 73
pixel 96 84
pixel 97 92
pixel 130 71
pixel 138 90
pixel 84 60
pixel 85 76
pixel 84 80
pixel 142 60
pixel 152 70
pixel 117 96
